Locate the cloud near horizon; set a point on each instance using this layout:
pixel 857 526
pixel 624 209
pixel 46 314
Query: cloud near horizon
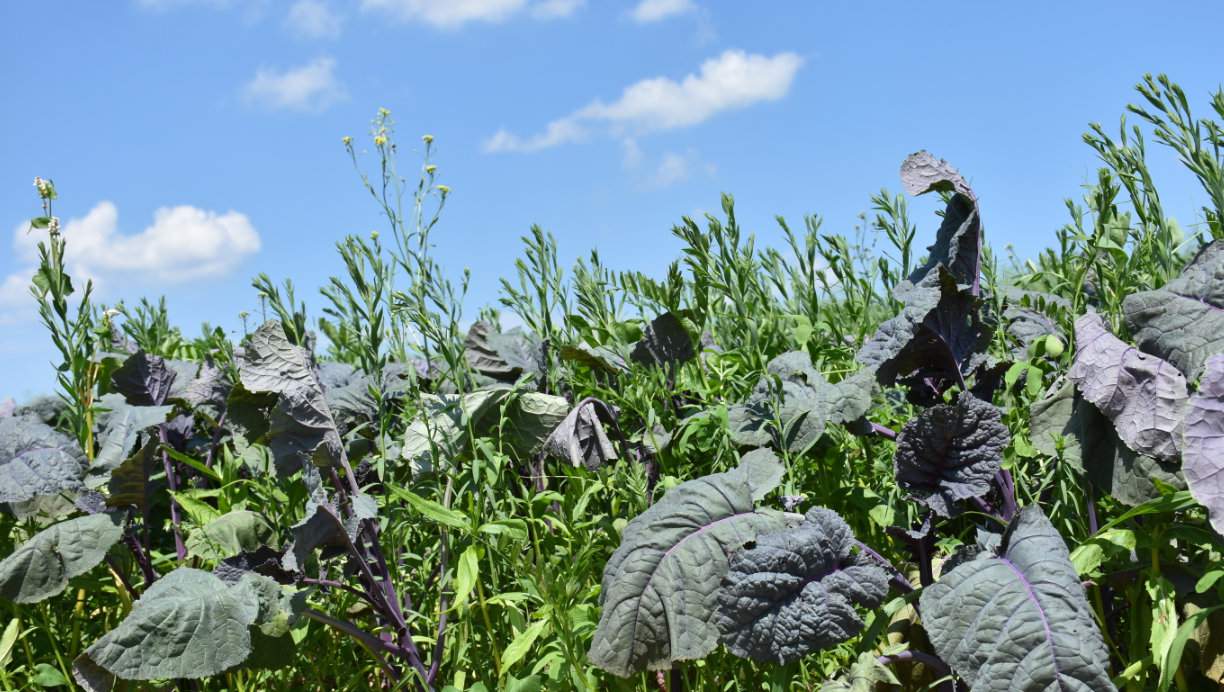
pixel 452 14
pixel 182 244
pixel 733 80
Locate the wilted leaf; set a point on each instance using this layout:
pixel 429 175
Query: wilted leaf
pixel 120 427
pixel 1019 617
pixel 42 566
pixel 442 425
pixel 581 439
pixel 950 452
pixel 957 243
pixel 326 525
pixel 660 587
pixel 1144 396
pixel 604 358
pixel 1183 322
pixel 530 417
pixel 796 591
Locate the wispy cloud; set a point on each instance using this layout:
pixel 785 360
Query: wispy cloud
pixel 556 9
pixel 311 87
pixel 314 19
pixel 183 243
pixel 648 11
pixel 730 81
pixel 452 14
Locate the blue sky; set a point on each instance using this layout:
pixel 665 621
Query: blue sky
pixel 198 142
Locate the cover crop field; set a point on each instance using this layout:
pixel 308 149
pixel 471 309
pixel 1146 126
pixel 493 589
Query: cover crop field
pixel 819 467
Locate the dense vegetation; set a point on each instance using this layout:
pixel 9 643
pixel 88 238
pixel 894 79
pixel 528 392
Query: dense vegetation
pixel 807 468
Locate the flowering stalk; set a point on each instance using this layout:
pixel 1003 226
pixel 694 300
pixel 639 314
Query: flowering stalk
pixel 72 332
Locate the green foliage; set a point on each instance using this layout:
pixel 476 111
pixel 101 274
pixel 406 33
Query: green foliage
pixel 413 499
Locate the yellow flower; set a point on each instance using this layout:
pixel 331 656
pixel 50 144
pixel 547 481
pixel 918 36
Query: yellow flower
pixel 383 112
pixel 427 139
pixel 444 189
pixel 347 140
pixel 430 169
pixel 380 140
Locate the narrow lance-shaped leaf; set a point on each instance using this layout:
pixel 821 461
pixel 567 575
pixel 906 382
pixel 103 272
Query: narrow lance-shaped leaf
pixel 1018 619
pixel 1203 457
pixel 1183 322
pixel 1144 396
pixel 950 452
pixel 796 591
pixel 660 587
pixel 42 566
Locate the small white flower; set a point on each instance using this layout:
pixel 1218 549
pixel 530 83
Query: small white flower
pixel 53 226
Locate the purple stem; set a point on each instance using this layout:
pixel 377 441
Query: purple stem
pixel 984 507
pixel 172 482
pixel 142 558
pixel 883 431
pixel 216 440
pixel 1093 527
pixel 898 579
pixel 936 664
pixel 1007 488
pixel 925 576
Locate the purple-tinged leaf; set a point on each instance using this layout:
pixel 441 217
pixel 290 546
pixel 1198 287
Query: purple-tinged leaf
pixel 1183 322
pixel 1203 455
pixel 797 591
pixel 950 452
pixel 1018 619
pixel 660 587
pixel 1144 396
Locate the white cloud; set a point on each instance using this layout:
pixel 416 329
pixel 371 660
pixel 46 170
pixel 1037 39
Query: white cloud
pixel 730 81
pixel 452 14
pixel 648 11
pixel 558 132
pixel 631 153
pixel 673 168
pixel 162 5
pixel 183 243
pixel 311 87
pixel 314 19
pixel 556 9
